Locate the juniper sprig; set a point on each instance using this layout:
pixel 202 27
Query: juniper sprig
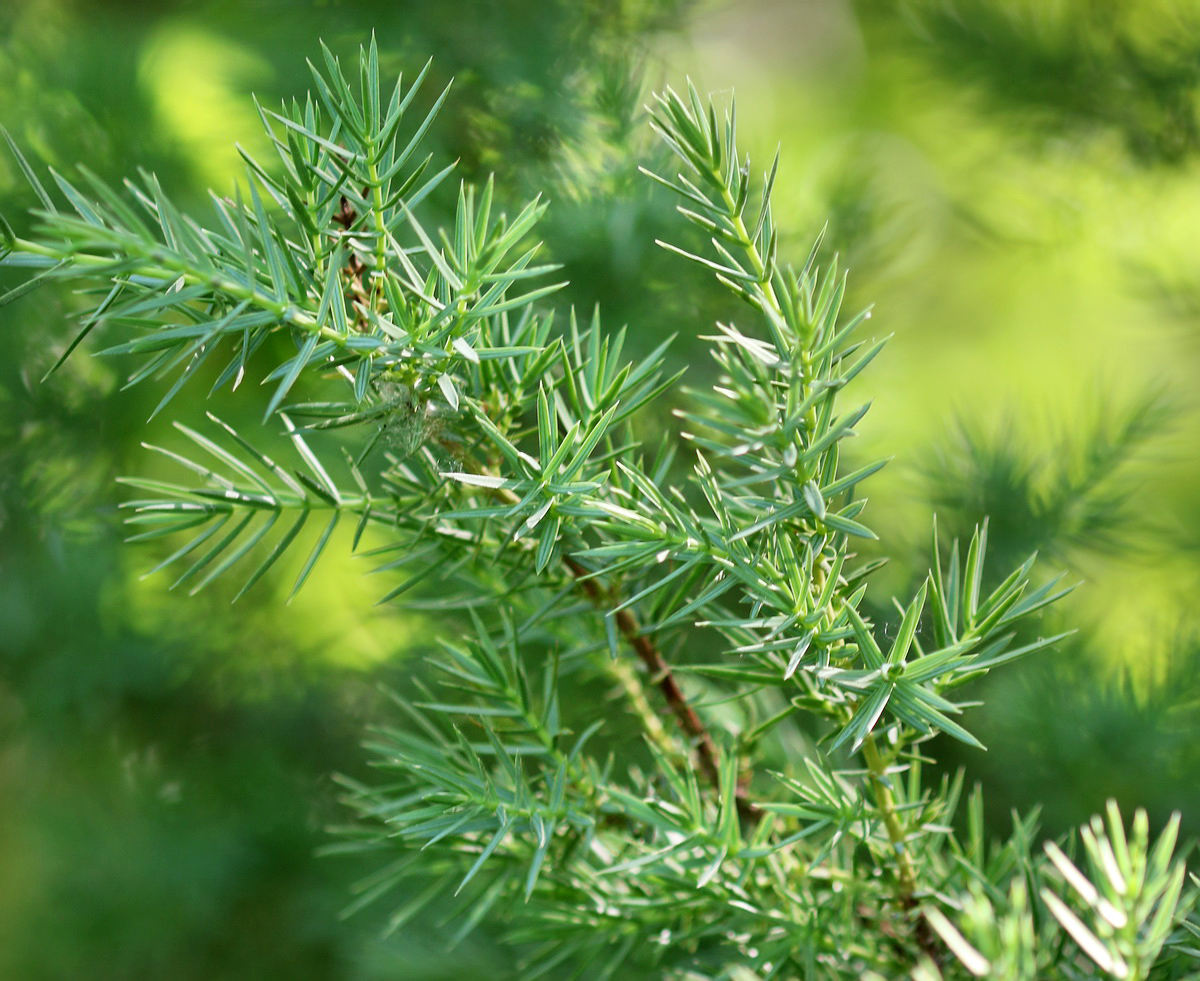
pixel 772 817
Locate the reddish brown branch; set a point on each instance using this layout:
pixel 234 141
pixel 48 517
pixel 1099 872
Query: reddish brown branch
pixel 661 675
pixel 356 271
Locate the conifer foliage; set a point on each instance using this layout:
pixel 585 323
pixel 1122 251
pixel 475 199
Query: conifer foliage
pixel 770 817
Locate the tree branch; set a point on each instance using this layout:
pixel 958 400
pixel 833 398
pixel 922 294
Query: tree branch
pixel 662 676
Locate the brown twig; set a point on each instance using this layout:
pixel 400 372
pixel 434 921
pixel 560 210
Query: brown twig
pixel 662 676
pixel 355 269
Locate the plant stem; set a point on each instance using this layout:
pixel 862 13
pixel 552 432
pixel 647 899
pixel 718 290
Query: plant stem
pixel 660 672
pixel 906 875
pixel 635 691
pixel 160 264
pixel 886 802
pixel 661 675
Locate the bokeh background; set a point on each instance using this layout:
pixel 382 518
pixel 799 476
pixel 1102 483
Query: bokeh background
pixel 1015 186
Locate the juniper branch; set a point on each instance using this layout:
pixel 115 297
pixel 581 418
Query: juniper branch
pixel 505 466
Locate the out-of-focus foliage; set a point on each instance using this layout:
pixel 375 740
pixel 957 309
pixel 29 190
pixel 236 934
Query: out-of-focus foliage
pixel 1071 68
pixel 1077 495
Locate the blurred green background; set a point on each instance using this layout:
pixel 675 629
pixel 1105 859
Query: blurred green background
pixel 1015 185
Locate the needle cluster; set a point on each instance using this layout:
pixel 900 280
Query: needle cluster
pixel 769 818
